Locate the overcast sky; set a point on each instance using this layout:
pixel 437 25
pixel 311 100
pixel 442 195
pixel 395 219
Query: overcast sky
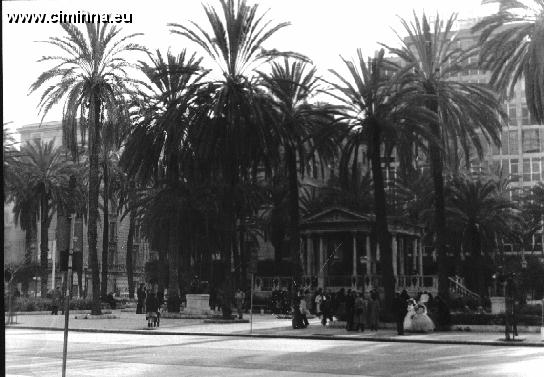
pixel 321 29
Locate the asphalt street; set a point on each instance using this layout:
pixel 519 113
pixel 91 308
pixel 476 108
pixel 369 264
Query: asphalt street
pixel 39 353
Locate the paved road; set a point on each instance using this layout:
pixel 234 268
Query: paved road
pixel 39 353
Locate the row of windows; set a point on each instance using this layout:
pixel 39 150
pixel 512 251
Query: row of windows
pixel 532 141
pixel 529 169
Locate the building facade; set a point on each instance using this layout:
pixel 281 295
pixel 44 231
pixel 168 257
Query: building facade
pixel 15 244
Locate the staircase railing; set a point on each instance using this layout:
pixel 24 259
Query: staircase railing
pixel 460 289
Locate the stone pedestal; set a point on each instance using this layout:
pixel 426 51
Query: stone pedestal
pixel 198 304
pixel 498 305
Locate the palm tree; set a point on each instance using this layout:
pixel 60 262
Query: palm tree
pixel 235 140
pixel 512 41
pixel 465 111
pixel 90 78
pixel 292 84
pixel 374 105
pixel 25 204
pixel 48 174
pixel 156 150
pixel 479 214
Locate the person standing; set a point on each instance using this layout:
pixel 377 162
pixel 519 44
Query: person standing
pixel 57 295
pixel 304 312
pixel 239 299
pixel 399 311
pixel 319 298
pixel 350 303
pixel 141 293
pixel 152 305
pixel 360 309
pixel 373 311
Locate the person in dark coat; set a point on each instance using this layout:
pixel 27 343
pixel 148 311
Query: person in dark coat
pixel 373 311
pixel 360 312
pixel 399 310
pixel 152 305
pixel 350 302
pixel 57 296
pixel 141 293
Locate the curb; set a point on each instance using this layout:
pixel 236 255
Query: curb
pixel 497 343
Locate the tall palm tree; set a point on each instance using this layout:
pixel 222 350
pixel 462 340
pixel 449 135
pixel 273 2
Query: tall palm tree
pixel 465 111
pixel 156 150
pixel 235 140
pixel 479 213
pixel 376 102
pixel 48 174
pixel 292 84
pixel 512 43
pixel 90 77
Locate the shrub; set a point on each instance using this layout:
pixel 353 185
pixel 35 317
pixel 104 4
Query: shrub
pixel 531 309
pixel 493 319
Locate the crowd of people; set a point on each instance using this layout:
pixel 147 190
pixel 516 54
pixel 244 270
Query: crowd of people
pixel 361 311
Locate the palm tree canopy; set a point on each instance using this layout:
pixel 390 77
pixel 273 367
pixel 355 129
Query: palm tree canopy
pixel 512 43
pixel 92 66
pixel 477 202
pixel 166 114
pixel 237 136
pixel 465 110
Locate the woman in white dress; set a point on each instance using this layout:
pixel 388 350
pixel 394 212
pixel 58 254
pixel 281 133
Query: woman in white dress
pixel 421 322
pixel 410 314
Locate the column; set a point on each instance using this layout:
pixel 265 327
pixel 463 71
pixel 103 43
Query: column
pixel 354 272
pixel 321 273
pixel 394 249
pixel 309 255
pixel 368 256
pixel 402 251
pixel 414 255
pixel 420 256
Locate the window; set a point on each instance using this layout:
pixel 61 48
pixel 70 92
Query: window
pixel 513 142
pixel 504 142
pixel 525 117
pixel 536 169
pixel 505 166
pixel 512 114
pixel 526 170
pixel 514 169
pixel 530 141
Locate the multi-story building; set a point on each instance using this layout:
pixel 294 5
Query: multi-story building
pixel 15 244
pixel 521 153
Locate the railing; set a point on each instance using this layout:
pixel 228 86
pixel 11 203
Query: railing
pixel 460 289
pixel 266 283
pixel 417 282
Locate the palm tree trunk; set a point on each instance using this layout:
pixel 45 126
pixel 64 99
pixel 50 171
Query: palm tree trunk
pixel 294 215
pixel 105 233
pixel 94 183
pixel 44 242
pixel 173 283
pixel 439 218
pixel 130 242
pixel 382 230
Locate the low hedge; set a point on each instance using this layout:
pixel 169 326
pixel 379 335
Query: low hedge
pixel 33 304
pixel 493 319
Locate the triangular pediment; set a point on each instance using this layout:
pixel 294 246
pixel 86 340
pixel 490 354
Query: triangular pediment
pixel 335 215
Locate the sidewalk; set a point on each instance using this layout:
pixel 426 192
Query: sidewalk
pixel 264 325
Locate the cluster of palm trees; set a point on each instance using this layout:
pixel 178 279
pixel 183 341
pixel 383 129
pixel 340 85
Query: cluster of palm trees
pixel 211 149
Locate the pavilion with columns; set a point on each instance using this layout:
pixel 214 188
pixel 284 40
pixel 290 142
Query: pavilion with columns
pixel 339 250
